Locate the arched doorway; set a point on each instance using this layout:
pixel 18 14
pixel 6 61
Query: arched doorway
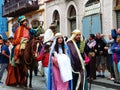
pixel 56 20
pixel 72 18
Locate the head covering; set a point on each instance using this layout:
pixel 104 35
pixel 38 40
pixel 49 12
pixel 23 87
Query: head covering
pixel 82 40
pixel 21 18
pixel 58 35
pixel 48 36
pixel 74 33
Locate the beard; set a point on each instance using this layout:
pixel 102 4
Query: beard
pixel 25 24
pixel 77 39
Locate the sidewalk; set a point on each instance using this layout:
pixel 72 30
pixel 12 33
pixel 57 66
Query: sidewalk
pixel 105 82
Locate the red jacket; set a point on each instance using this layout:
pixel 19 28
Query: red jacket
pixel 44 57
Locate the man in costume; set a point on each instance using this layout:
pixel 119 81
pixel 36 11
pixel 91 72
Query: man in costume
pixel 21 37
pixel 76 45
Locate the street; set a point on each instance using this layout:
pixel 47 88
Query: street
pixel 39 84
pixel 96 87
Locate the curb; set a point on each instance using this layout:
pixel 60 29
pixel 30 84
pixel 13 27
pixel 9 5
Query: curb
pixel 106 83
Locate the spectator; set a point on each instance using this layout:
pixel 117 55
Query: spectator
pixel 44 57
pixel 116 57
pixel 4 57
pixel 109 61
pixel 115 33
pixel 100 59
pixel 41 46
pixel 91 50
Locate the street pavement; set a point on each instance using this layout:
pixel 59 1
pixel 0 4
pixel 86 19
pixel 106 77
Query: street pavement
pixel 98 87
pixel 39 84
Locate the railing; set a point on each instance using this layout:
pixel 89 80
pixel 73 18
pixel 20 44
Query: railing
pixel 18 5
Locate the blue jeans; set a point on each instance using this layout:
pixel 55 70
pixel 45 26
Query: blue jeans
pixel 46 74
pixel 2 69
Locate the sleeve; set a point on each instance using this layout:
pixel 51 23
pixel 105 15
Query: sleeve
pixel 17 36
pixel 55 62
pixel 113 47
pixel 118 50
pixel 114 34
pixel 3 48
pixel 40 57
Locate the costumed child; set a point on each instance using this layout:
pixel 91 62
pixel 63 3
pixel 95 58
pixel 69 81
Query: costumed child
pixel 44 57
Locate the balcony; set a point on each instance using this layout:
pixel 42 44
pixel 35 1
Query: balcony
pixel 19 7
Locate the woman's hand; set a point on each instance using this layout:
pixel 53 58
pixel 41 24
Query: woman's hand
pixel 55 62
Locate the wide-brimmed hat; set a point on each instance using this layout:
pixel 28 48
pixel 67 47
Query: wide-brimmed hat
pixel 48 35
pixel 21 18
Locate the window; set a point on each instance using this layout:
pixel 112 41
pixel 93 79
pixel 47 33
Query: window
pixel 90 2
pixel 56 20
pixel 72 18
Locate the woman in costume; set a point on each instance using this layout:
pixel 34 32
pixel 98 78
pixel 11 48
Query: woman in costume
pixel 59 72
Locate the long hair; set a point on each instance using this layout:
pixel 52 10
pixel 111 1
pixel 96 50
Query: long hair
pixel 57 46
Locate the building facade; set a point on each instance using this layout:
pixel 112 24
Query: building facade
pixel 3 23
pixel 89 16
pixel 34 10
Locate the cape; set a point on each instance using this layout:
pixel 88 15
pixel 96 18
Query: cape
pixel 77 64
